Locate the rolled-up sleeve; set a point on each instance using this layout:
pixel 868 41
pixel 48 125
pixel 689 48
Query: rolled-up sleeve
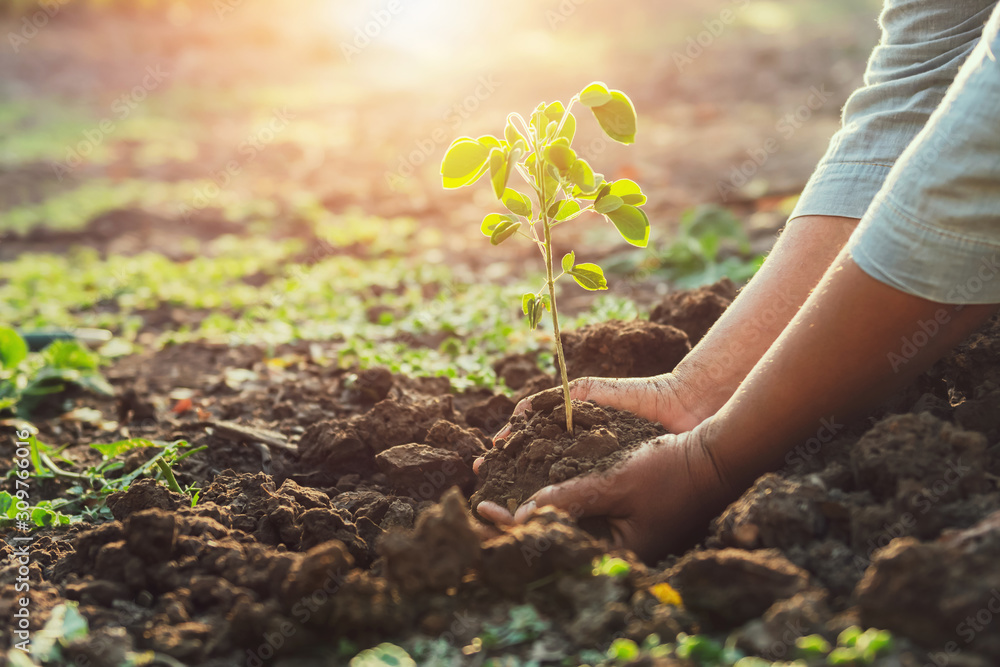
pixel 933 229
pixel 922 48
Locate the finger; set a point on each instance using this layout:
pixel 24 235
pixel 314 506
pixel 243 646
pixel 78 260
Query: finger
pixel 524 405
pixel 590 495
pixel 495 513
pixel 502 435
pixel 478 462
pixel 486 531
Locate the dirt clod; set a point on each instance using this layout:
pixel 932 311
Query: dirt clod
pixel 729 587
pixel 617 349
pixel 422 471
pixel 695 311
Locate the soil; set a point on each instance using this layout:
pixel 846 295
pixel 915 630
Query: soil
pixel 362 524
pixel 637 348
pixel 694 311
pixel 540 451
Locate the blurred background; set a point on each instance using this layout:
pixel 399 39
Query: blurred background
pixel 252 171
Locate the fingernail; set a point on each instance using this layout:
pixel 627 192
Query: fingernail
pixel 524 511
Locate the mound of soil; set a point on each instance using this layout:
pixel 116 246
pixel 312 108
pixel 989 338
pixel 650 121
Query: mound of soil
pixel 539 450
pixel 695 311
pixel 617 349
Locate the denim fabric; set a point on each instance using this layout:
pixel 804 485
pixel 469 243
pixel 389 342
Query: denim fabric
pixel 918 156
pixel 933 229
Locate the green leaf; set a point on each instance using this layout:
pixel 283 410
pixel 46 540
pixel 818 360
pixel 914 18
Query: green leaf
pixel 629 192
pixel 536 315
pixel 623 650
pixel 610 566
pixel 511 135
pixel 6 504
pixel 631 223
pixel 70 354
pixel 489 141
pixel 563 209
pixel 582 176
pixel 527 302
pixel 491 221
pixel 560 155
pixel 607 204
pixel 499 171
pixel 504 231
pixel 95 384
pixel 464 162
pixel 567 261
pixel 65 625
pixel 516 203
pixel 589 276
pixel 113 449
pixel 554 112
pixel 13 349
pixel 595 95
pixel 532 307
pixel 383 655
pixel 812 645
pixel 617 117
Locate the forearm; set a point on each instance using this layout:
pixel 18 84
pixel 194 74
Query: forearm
pixel 839 355
pixel 713 370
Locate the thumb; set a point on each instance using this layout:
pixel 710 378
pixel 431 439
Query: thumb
pixel 589 495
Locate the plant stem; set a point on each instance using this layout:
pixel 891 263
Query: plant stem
pixel 550 280
pixel 168 476
pixel 56 470
pixel 543 215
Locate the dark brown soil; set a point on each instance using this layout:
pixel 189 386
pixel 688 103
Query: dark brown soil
pixel 618 349
pixel 694 311
pixel 539 450
pixel 891 524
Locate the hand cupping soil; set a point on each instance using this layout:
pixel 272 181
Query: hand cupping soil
pixel 540 452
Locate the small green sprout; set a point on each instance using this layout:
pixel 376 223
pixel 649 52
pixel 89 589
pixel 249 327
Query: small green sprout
pixel 565 186
pixel 610 566
pixel 812 646
pixel 861 648
pixel 849 637
pixel 699 648
pixel 623 650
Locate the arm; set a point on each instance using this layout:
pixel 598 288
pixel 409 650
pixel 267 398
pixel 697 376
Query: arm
pixel 831 362
pixel 712 371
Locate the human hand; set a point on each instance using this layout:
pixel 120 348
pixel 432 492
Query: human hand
pixel 656 500
pixel 662 398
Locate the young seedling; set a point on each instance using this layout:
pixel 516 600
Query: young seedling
pixel 565 187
